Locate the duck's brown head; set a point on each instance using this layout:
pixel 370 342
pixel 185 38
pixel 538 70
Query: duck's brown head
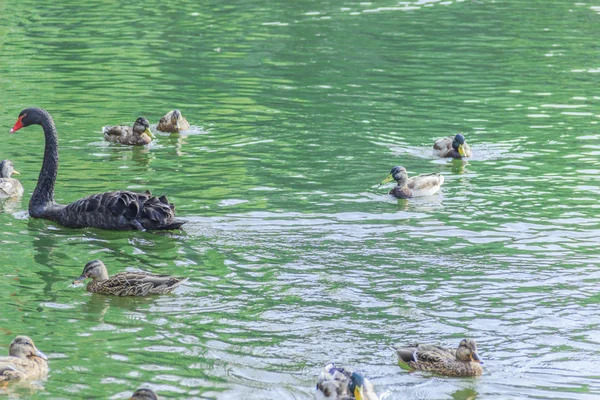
pixel 95 270
pixel 23 347
pixel 467 351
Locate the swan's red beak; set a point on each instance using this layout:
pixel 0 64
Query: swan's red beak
pixel 18 125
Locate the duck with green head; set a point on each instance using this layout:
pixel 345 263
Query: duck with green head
pixel 173 121
pixel 24 361
pixel 462 361
pixel 139 134
pixel 452 146
pixel 9 187
pixel 416 186
pixel 126 283
pixel 337 383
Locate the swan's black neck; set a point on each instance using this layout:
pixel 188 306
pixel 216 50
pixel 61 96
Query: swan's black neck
pixel 43 195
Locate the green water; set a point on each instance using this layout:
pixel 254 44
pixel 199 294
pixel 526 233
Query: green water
pixel 295 256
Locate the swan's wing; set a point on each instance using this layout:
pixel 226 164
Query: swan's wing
pixel 139 208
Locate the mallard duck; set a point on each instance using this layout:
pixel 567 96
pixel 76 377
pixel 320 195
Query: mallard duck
pixel 9 187
pixel 120 210
pixel 144 394
pixel 126 283
pixel 452 146
pixel 422 185
pixel 173 121
pixel 140 134
pixel 463 361
pixel 24 361
pixel 339 384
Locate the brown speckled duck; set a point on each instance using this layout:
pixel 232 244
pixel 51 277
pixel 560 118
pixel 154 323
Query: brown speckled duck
pixel 452 146
pixel 173 121
pixel 144 394
pixel 139 134
pixel 126 283
pixel 336 383
pixel 422 185
pixel 9 187
pixel 24 361
pixel 463 361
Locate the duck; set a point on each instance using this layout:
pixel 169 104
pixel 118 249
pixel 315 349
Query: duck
pixel 24 361
pixel 139 134
pixel 119 210
pixel 452 146
pixel 173 121
pixel 421 185
pixel 126 283
pixel 144 394
pixel 335 383
pixel 462 361
pixel 9 187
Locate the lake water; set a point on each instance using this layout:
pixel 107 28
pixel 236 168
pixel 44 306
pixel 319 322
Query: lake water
pixel 295 255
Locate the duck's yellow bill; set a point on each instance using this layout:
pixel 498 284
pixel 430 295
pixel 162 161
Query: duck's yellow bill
pixel 461 150
pixel 389 178
pixel 149 133
pixel 358 393
pixel 16 172
pixel 79 280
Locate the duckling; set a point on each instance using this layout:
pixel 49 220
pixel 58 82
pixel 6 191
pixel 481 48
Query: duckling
pixel 126 283
pixel 452 146
pixel 9 187
pixel 140 134
pixel 422 185
pixel 24 361
pixel 339 384
pixel 144 394
pixel 464 361
pixel 173 121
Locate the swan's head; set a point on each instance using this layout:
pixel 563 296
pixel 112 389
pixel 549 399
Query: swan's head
pixel 30 116
pixel 95 270
pixel 397 174
pixel 23 347
pixel 176 118
pixel 141 125
pixel 459 143
pixel 357 385
pixel 144 394
pixel 7 169
pixel 467 351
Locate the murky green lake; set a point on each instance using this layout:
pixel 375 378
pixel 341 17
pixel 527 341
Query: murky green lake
pixel 295 256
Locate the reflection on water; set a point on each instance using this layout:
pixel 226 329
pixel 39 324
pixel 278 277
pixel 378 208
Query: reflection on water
pixel 296 256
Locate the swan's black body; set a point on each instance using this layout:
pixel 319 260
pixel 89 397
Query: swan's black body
pixel 122 210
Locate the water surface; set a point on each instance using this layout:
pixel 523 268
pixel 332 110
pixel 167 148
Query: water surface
pixel 296 256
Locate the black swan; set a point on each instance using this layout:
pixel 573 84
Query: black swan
pixel 122 210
